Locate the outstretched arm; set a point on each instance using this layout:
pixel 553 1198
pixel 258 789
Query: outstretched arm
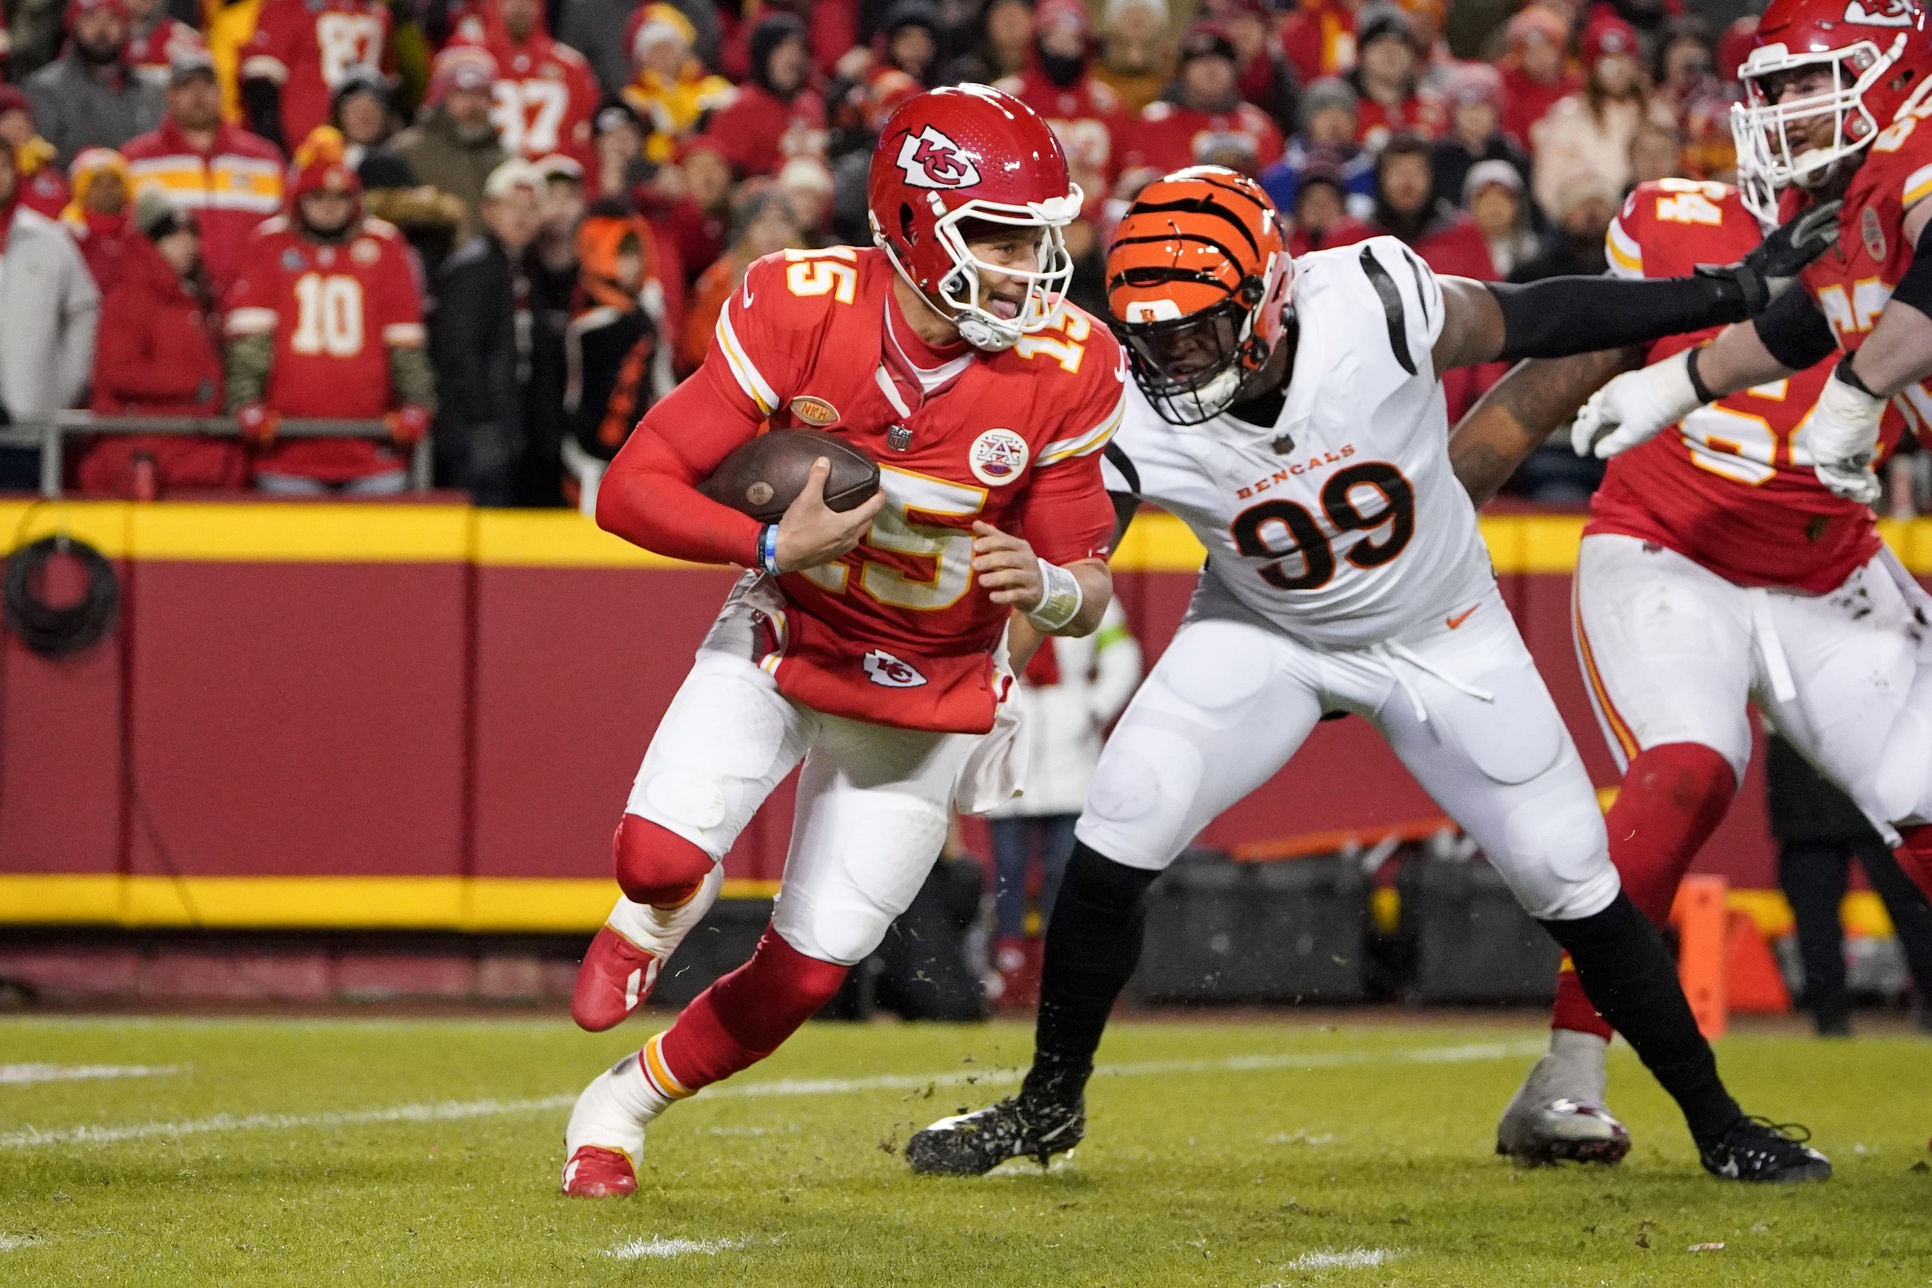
pixel 1561 316
pixel 1522 410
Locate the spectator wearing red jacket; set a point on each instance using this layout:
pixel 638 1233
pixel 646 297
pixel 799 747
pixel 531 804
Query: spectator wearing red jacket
pixel 1448 241
pixel 1207 122
pixel 159 354
pixel 98 216
pixel 545 95
pixel 1319 39
pixel 1058 84
pixel 1267 78
pixel 229 179
pixel 1536 74
pixel 1391 97
pixel 776 114
pixel 43 188
pixel 829 28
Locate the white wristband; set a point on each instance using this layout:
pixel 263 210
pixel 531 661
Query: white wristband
pixel 1061 601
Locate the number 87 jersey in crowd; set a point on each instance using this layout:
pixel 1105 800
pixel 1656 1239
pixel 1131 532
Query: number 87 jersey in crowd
pixel 1331 513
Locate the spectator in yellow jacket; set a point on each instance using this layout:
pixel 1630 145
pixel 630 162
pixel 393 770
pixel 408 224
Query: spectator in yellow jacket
pixel 671 88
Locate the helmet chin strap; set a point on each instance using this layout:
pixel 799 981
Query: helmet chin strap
pixel 981 334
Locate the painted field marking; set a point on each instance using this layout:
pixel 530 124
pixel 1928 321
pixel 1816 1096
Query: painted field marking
pixel 19 1075
pixel 1359 1259
pixel 641 1249
pixel 458 1110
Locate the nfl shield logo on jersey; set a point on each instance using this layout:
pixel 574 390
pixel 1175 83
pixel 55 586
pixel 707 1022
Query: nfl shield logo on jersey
pixel 931 160
pixel 890 671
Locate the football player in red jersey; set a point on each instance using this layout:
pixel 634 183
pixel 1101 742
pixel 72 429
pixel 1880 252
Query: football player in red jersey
pixel 1837 92
pixel 300 50
pixel 865 644
pixel 1716 572
pixel 325 323
pixel 545 95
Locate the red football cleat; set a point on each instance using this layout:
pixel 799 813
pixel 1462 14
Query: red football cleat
pixel 614 980
pixel 594 1172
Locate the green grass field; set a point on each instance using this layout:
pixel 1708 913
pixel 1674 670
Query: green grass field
pixel 1308 1150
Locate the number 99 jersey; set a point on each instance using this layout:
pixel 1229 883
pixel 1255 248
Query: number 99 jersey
pixel 1341 523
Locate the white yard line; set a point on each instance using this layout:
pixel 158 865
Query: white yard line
pixel 641 1249
pixel 18 1075
pixel 1359 1259
pixel 457 1110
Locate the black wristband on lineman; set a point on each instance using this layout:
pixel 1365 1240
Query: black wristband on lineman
pixel 1698 387
pixel 1560 316
pixel 1844 374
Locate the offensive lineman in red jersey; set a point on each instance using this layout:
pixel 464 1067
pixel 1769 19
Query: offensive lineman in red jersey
pixel 1837 93
pixel 545 95
pixel 325 323
pixel 299 53
pixel 867 644
pixel 1716 572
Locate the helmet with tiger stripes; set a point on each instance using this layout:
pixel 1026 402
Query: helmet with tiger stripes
pixel 1199 287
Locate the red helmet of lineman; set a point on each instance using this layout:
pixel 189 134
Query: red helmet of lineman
pixel 1199 284
pixel 950 162
pixel 1857 64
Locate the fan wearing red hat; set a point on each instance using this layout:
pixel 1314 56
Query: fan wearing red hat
pixel 1058 84
pixel 544 95
pixel 1536 71
pixel 453 147
pixel 1587 135
pixel 42 186
pixel 300 51
pixel 326 324
pixel 1207 123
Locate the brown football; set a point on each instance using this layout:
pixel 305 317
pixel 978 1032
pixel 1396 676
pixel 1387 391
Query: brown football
pixel 765 476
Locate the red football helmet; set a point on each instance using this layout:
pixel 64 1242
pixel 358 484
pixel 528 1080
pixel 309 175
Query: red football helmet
pixel 1199 284
pixel 971 153
pixel 1880 60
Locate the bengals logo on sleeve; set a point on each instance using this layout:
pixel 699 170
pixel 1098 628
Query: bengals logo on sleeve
pixel 931 160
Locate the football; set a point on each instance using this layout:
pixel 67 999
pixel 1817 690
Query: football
pixel 765 476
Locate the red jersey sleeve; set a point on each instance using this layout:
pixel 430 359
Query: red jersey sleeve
pixel 397 307
pixel 254 301
pixel 270 51
pixel 764 335
pixel 1068 515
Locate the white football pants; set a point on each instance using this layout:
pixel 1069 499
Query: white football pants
pixel 1672 652
pixel 1232 699
pixel 874 802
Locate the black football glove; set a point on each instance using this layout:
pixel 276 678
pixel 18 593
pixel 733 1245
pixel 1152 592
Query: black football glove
pixel 1771 269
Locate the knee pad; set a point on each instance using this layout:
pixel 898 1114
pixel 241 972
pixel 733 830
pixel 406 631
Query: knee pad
pixel 1138 802
pixel 1903 786
pixel 656 866
pixel 1558 863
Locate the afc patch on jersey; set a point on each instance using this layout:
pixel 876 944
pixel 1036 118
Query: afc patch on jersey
pixel 931 160
pixel 998 456
pixel 885 669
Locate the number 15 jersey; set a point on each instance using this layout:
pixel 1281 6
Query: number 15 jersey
pixel 1342 523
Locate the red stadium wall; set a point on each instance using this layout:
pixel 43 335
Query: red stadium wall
pixel 425 716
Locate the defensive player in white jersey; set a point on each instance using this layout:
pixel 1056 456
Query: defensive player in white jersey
pixel 1291 413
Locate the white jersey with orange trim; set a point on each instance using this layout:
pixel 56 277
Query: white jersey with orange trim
pixel 1342 523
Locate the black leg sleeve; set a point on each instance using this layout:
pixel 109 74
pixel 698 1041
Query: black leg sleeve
pixel 1628 975
pixel 1092 946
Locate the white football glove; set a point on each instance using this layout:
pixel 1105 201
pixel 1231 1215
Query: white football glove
pixel 1843 438
pixel 1633 407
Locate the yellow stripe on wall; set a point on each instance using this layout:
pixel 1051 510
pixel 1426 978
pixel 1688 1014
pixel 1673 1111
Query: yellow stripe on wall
pixel 503 904
pixel 377 533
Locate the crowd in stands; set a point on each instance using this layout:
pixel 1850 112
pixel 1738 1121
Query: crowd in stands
pixel 434 216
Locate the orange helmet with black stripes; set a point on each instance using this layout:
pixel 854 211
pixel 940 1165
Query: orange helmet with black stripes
pixel 1199 285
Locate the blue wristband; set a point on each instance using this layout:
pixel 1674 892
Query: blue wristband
pixel 768 549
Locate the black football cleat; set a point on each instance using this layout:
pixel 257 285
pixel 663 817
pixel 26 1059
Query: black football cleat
pixel 1757 1149
pixel 974 1144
